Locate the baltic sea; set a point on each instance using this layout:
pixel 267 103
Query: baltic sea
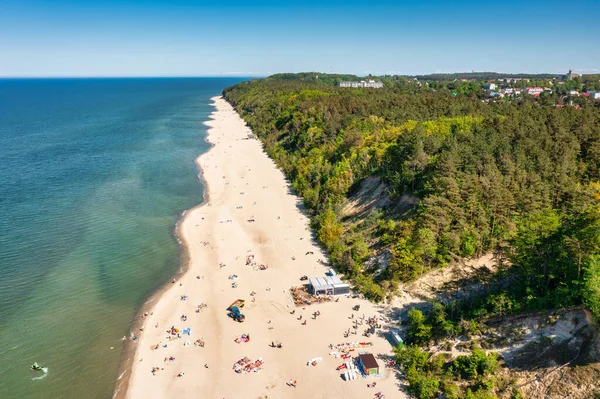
pixel 94 174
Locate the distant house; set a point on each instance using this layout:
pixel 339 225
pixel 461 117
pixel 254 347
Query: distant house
pixel 513 80
pixel 534 91
pixel 594 95
pixel 573 93
pixel 355 85
pixel 368 364
pixel 490 86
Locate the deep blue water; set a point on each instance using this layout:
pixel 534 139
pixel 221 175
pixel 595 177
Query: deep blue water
pixel 94 174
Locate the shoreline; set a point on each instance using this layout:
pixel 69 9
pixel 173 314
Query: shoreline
pixel 121 385
pixel 248 212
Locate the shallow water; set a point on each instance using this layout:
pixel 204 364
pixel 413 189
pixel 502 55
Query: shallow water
pixel 94 174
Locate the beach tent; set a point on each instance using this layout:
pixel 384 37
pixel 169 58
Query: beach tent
pixel 369 364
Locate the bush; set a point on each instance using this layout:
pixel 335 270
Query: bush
pixel 421 385
pixel 370 288
pixel 411 356
pixel 419 332
pixel 477 364
pixel 451 390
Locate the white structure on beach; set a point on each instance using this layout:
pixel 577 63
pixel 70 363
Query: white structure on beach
pixel 369 83
pixel 327 286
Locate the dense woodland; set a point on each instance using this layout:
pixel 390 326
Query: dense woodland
pixel 518 177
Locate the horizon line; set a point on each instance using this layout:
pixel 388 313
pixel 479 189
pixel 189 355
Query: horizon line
pixel 251 75
pixel 129 76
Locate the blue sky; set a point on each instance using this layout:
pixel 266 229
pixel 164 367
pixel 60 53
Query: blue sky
pixel 250 38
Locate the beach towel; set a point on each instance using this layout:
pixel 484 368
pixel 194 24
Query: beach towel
pixel 187 331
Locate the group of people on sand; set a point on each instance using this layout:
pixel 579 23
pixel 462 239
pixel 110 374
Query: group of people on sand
pixel 245 365
pixel 175 333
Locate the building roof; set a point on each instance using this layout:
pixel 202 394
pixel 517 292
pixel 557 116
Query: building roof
pixel 321 283
pixel 369 361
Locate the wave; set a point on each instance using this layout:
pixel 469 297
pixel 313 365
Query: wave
pixel 45 370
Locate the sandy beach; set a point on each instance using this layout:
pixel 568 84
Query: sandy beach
pixel 250 211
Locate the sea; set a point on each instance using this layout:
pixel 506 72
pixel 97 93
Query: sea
pixel 94 175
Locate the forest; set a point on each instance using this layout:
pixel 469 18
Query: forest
pixel 519 178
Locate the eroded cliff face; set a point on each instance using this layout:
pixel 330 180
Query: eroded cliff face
pixel 552 354
pixel 556 355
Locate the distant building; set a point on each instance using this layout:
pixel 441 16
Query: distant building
pixel 513 80
pixel 570 75
pixel 369 83
pixel 573 93
pixel 594 95
pixel 490 86
pixel 534 91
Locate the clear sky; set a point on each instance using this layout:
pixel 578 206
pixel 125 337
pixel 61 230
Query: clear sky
pixel 253 37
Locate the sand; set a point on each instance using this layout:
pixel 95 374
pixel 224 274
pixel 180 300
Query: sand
pixel 243 183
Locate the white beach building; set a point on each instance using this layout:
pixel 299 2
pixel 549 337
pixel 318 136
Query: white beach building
pixel 330 285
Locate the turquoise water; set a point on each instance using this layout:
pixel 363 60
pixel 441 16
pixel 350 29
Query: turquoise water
pixel 94 174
